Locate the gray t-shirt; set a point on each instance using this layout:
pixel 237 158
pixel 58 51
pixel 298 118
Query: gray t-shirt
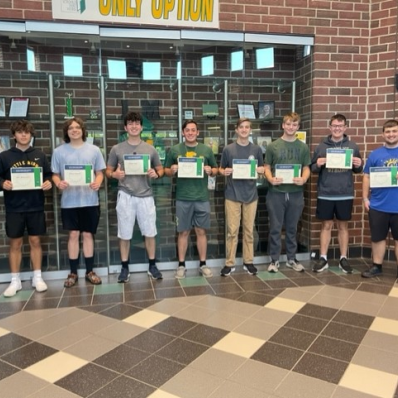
pixel 244 191
pixel 135 185
pixel 66 154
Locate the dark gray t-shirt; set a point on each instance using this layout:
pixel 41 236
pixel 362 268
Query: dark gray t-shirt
pixel 137 185
pixel 244 191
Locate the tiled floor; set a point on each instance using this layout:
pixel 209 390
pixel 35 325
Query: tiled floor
pixel 285 335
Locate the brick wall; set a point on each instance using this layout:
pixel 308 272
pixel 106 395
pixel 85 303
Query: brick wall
pixel 354 64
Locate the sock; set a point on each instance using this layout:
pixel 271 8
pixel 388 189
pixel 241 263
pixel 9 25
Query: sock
pixel 202 263
pixel 181 263
pixel 379 266
pixel 15 276
pixel 341 257
pixel 324 256
pixel 125 264
pixel 152 262
pixel 37 274
pixel 73 263
pixel 89 264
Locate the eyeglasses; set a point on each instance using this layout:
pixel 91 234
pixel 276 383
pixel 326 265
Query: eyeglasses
pixel 337 126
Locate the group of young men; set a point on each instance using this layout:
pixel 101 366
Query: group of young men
pixel 286 166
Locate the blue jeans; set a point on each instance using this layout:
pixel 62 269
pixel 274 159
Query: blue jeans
pixel 283 209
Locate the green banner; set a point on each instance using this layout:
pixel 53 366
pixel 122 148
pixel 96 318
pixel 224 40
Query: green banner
pixel 88 169
pixel 253 167
pixel 37 174
pixel 393 175
pixel 199 163
pixel 296 171
pixel 145 160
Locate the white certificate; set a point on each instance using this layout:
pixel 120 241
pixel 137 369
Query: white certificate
pixel 136 164
pixel 383 177
pixel 78 174
pixel 190 167
pixel 338 158
pixel 26 178
pixel 244 169
pixel 287 172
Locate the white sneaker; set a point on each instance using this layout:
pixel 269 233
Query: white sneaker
pixel 274 266
pixel 14 287
pixel 180 274
pixel 205 271
pixel 294 264
pixel 39 285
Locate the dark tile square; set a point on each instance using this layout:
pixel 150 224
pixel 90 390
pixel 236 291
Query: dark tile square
pixel 137 286
pixel 277 355
pixel 86 380
pixel 280 283
pixel 256 298
pixel 11 342
pixel 310 281
pixel 174 326
pixel 155 370
pixel 76 301
pixel 293 338
pixel 28 355
pixel 182 351
pixel 42 304
pixel 316 311
pixel 166 283
pixel 198 290
pixel 121 311
pixel 108 298
pixel 206 335
pixel 253 285
pixel 12 307
pixel 121 358
pixel 373 288
pixel 223 288
pixel 96 308
pixel 7 370
pixel 343 332
pixel 354 319
pixel 169 293
pixel 79 290
pixel 333 348
pixel 140 295
pixel 144 303
pixel 306 324
pixel 322 368
pixel 124 387
pixel 150 341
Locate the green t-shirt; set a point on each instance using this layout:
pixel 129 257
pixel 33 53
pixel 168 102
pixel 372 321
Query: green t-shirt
pixel 286 152
pixel 191 189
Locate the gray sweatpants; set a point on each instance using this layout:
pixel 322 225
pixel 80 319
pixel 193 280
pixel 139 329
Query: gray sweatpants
pixel 283 208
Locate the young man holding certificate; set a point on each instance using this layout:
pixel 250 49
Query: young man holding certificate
pixel 380 196
pixel 335 160
pixel 78 173
pixel 134 163
pixel 24 174
pixel 241 161
pixel 287 162
pixel 192 163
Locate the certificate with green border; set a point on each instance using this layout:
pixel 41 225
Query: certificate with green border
pixel 136 164
pixel 25 178
pixel 78 174
pixel 190 167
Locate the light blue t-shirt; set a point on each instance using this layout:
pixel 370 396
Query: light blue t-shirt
pixel 77 196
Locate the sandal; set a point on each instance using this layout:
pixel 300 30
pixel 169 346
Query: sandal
pixel 93 278
pixel 71 280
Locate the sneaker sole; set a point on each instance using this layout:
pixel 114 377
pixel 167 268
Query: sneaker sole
pixel 204 274
pixel 124 280
pixel 153 277
pixel 250 273
pixel 370 275
pixel 12 295
pixel 344 270
pixel 321 269
pixel 229 274
pixel 297 270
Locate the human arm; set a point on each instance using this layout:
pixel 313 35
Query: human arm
pixel 366 191
pixel 270 178
pixel 58 182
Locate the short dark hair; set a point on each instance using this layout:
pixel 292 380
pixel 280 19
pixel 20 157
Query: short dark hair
pixel 132 117
pixel 22 125
pixel 241 120
pixel 339 117
pixel 390 123
pixel 185 124
pixel 68 123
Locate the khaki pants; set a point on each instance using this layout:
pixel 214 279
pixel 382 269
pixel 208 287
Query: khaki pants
pixel 235 211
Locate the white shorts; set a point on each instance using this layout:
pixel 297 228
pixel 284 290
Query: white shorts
pixel 128 208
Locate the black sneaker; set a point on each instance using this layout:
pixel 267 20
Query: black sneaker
pixel 227 271
pixel 345 266
pixel 154 273
pixel 372 272
pixel 124 276
pixel 250 268
pixel 321 265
